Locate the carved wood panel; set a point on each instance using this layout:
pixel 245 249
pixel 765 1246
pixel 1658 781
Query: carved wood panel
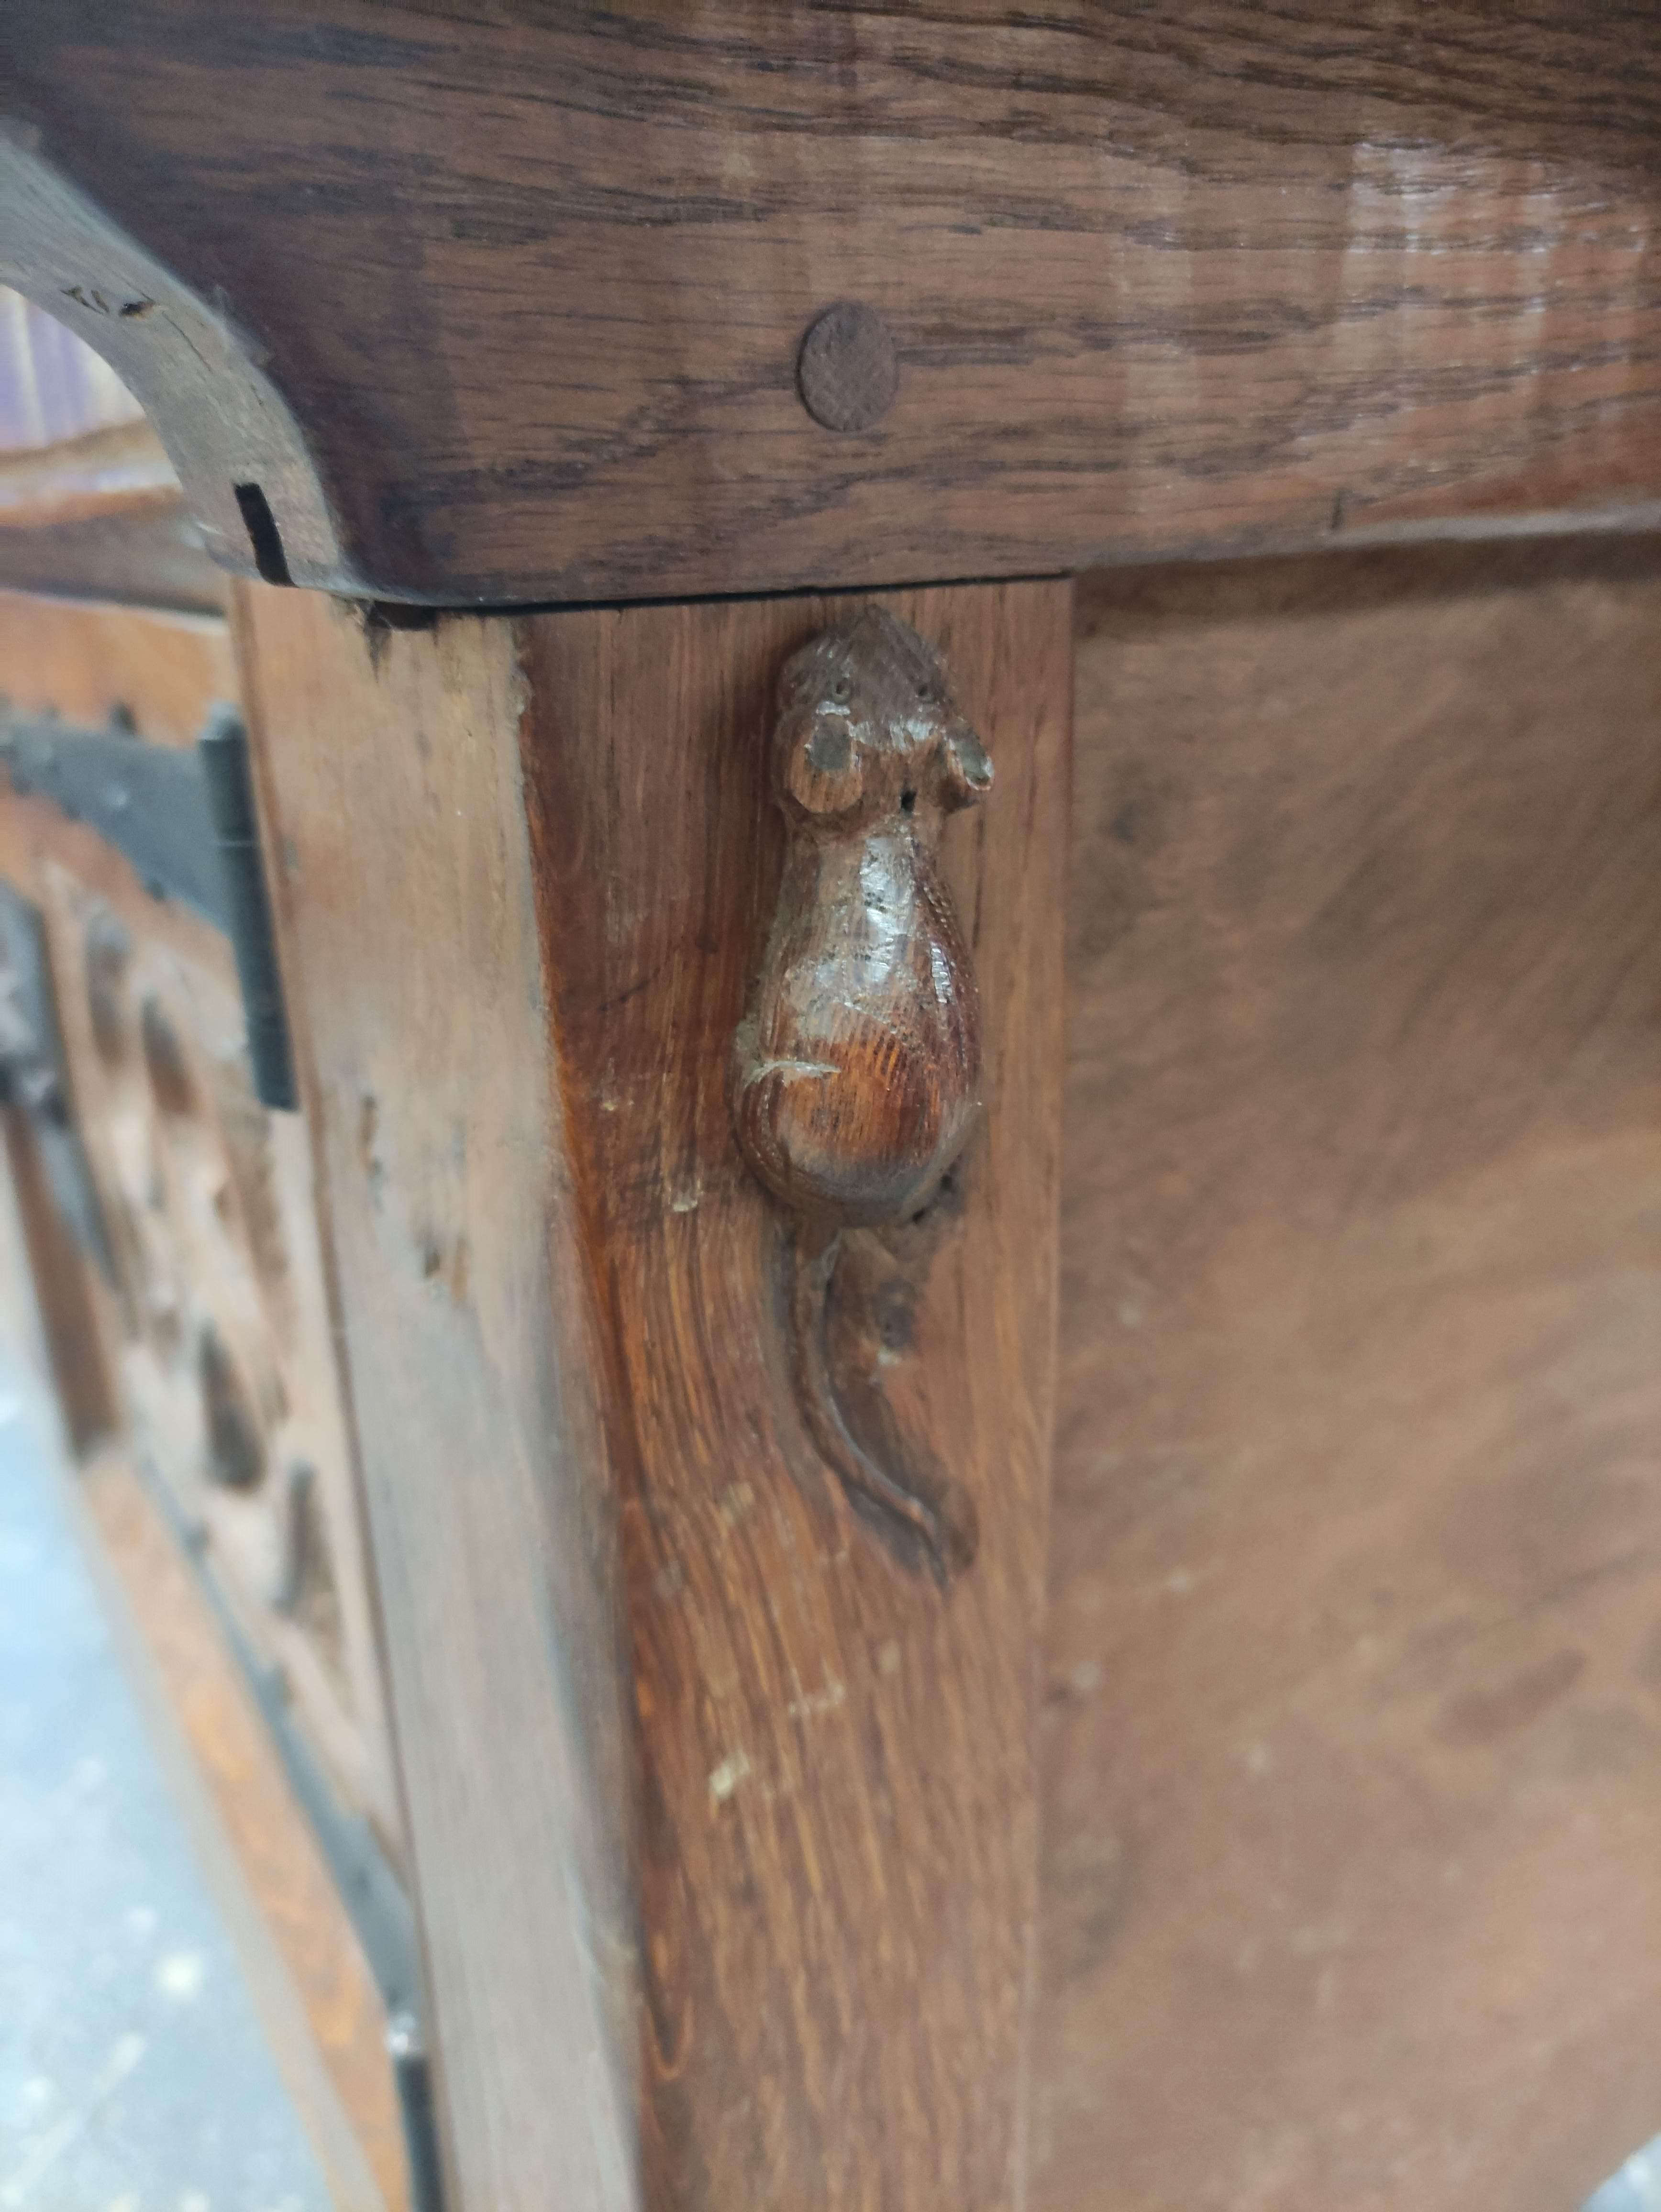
pixel 215 1313
pixel 224 1360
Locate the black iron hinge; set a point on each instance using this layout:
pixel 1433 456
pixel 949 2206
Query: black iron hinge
pixel 186 821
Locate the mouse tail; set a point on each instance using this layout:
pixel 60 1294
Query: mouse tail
pixel 946 1536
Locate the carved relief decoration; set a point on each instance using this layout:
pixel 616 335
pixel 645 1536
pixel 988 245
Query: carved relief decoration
pixel 856 1070
pixel 220 1310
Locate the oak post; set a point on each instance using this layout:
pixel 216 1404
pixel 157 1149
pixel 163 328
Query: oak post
pixel 722 1806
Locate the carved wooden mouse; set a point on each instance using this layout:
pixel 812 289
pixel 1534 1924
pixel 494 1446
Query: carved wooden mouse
pixel 857 1072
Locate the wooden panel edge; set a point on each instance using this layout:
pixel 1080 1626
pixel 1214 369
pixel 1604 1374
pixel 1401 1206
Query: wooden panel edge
pixel 387 764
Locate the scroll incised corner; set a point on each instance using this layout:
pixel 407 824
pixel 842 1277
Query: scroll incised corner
pixel 857 1071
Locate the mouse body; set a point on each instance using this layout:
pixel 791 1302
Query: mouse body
pixel 857 1071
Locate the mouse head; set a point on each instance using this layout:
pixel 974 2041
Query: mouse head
pixel 866 730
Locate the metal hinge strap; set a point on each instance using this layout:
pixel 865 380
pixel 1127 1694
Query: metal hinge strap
pixel 187 822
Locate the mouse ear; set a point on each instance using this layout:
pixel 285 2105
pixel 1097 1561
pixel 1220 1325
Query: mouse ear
pixel 819 766
pixel 968 765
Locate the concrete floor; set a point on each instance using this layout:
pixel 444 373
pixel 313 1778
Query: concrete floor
pixel 133 2073
pixel 1636 2188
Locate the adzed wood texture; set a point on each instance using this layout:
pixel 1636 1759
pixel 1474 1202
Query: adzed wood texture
pixel 1352 1749
pixel 508 304
pixel 728 1892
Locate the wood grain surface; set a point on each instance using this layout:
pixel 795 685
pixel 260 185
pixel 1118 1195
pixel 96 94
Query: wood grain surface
pixel 151 559
pixel 836 1842
pixel 402 880
pixel 78 662
pixel 508 304
pixel 807 1982
pixel 1352 1749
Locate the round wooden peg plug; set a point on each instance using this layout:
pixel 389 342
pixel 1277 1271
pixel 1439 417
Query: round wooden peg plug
pixel 847 371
